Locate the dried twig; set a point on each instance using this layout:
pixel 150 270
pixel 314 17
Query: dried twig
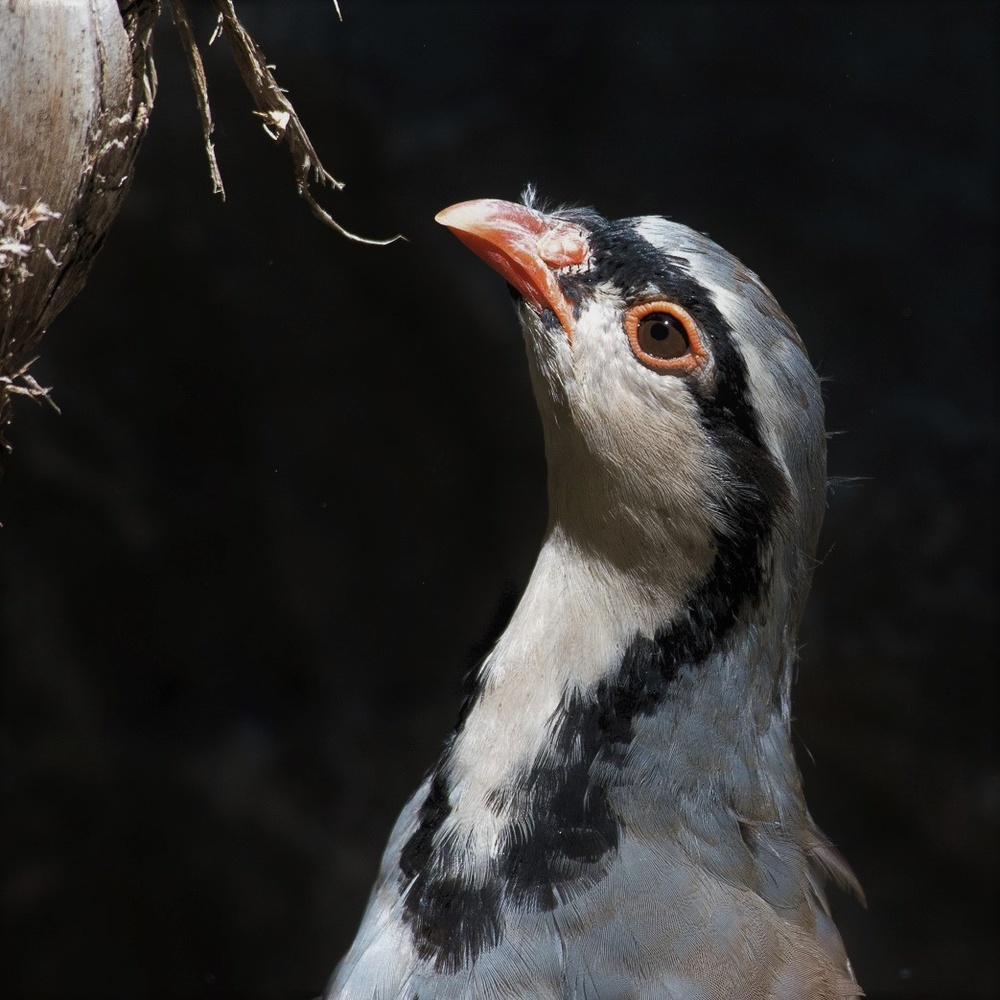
pixel 29 388
pixel 197 70
pixel 279 116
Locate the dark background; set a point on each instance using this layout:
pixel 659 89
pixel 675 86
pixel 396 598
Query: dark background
pixel 295 479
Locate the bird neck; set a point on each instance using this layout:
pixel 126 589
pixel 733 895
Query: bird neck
pixel 608 673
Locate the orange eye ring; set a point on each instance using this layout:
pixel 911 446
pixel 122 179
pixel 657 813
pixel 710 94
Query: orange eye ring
pixel 682 349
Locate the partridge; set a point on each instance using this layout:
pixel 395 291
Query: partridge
pixel 618 812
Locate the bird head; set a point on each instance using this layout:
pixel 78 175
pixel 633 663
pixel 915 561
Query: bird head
pixel 678 403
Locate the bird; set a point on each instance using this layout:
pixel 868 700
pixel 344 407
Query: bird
pixel 618 813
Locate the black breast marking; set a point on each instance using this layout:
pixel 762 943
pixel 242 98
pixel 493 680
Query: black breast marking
pixel 452 918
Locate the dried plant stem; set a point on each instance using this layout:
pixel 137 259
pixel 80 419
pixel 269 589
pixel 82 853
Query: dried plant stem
pixel 28 387
pixel 281 122
pixel 197 69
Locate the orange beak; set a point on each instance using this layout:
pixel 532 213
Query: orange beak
pixel 526 247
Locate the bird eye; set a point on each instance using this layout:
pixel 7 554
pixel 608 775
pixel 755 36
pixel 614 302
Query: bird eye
pixel 664 337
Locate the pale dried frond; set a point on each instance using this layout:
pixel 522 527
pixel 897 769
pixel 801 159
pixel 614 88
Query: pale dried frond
pixel 197 69
pixel 280 119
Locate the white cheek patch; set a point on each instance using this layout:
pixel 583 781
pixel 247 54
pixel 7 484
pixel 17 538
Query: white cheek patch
pixel 605 367
pixel 620 405
pixel 597 343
